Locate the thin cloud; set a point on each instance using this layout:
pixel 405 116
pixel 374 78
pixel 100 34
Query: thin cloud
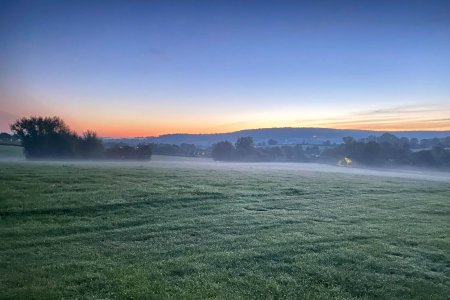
pixel 158 53
pixel 407 117
pixel 405 109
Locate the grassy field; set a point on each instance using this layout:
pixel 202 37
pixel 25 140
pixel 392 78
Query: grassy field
pixel 170 230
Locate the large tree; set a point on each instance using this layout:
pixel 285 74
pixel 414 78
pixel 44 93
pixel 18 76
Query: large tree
pixel 45 137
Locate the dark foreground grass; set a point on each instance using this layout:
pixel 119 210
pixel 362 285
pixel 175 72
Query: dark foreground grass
pixel 89 232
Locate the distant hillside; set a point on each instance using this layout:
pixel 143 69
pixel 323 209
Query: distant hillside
pixel 281 135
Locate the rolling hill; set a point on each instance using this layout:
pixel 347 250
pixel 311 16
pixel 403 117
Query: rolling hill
pixel 287 135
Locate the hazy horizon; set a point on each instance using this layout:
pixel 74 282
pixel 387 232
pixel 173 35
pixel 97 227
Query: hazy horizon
pixel 7 130
pixel 268 128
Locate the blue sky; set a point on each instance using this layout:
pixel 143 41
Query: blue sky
pixel 128 68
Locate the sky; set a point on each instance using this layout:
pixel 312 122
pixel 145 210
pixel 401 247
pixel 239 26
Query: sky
pixel 144 68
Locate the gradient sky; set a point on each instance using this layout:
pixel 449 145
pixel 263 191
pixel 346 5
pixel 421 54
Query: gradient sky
pixel 140 68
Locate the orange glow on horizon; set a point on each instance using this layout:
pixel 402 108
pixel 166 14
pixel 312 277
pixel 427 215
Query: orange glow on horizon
pixel 136 130
pixel 123 129
pixel 117 123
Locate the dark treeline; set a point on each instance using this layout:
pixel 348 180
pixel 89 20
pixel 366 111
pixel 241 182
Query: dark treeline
pixel 245 150
pixel 190 150
pixel 9 139
pixel 176 150
pixel 412 143
pixel 386 150
pixel 140 152
pixel 50 137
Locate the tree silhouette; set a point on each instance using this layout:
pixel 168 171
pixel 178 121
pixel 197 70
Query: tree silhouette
pixel 50 137
pixel 45 137
pixel 223 151
pixel 90 145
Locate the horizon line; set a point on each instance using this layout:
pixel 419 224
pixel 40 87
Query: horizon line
pixel 265 128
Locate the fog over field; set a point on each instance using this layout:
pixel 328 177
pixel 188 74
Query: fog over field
pixel 303 168
pixel 175 162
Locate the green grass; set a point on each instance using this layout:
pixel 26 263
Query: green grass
pixel 161 230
